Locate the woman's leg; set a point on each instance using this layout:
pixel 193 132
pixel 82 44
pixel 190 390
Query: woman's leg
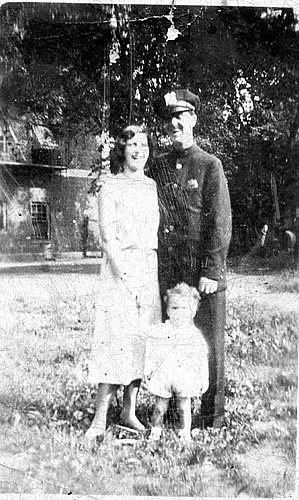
pixel 184 409
pixel 98 425
pixel 128 416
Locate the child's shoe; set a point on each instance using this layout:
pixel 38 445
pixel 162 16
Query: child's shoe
pixel 155 434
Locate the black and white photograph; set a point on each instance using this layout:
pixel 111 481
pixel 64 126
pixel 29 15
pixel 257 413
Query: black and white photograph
pixel 149 228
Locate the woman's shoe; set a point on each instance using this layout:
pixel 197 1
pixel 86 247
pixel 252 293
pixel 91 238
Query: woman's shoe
pixel 94 435
pixel 131 421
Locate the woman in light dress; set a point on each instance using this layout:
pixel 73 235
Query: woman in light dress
pixel 127 299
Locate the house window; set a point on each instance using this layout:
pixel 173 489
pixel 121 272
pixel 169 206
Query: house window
pixel 40 217
pixel 2 143
pixel 3 215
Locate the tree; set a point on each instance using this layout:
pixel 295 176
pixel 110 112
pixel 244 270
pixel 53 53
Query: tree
pixel 84 70
pixel 244 63
pixel 54 58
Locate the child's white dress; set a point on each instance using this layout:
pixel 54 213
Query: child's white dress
pixel 124 312
pixel 177 361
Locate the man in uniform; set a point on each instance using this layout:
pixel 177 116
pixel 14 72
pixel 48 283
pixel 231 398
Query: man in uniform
pixel 195 232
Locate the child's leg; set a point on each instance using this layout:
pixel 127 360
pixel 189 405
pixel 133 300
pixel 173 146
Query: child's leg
pixel 160 409
pixel 128 416
pixel 104 395
pixel 184 409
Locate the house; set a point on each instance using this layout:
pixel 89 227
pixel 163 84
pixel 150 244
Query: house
pixel 46 210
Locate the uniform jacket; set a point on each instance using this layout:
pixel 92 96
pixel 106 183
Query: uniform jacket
pixel 195 209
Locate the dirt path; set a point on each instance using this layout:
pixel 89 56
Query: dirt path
pixel 56 286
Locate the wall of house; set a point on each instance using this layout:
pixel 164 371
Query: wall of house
pixel 70 207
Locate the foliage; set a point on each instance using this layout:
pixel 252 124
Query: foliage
pixel 246 335
pixel 82 71
pixel 54 59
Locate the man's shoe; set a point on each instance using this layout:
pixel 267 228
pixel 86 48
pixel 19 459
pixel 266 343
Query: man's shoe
pixel 218 422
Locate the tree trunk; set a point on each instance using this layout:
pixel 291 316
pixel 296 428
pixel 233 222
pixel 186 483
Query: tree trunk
pixel 294 164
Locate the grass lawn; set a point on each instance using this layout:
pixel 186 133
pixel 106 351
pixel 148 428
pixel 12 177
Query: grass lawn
pixel 46 404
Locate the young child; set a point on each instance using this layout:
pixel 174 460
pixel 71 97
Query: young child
pixel 177 360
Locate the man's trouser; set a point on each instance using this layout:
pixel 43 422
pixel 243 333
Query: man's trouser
pixel 210 318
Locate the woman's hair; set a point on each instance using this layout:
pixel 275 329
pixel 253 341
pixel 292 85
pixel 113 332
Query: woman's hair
pixel 118 154
pixel 183 290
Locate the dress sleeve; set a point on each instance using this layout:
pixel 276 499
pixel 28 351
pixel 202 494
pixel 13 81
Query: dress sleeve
pixel 108 221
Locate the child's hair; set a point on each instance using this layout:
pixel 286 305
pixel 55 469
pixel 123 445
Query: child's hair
pixel 183 290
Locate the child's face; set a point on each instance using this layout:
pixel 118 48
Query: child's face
pixel 181 310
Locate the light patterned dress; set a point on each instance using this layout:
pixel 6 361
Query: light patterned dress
pixel 124 309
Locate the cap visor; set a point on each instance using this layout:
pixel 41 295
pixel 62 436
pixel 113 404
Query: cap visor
pixel 178 109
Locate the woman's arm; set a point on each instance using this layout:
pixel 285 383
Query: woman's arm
pixel 108 220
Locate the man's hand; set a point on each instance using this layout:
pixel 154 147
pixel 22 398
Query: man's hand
pixel 207 286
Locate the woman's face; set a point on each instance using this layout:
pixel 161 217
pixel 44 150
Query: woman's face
pixel 136 153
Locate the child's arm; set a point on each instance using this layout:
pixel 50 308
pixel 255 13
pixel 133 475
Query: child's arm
pixel 204 364
pixel 201 355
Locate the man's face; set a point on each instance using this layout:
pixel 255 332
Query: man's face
pixel 179 126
